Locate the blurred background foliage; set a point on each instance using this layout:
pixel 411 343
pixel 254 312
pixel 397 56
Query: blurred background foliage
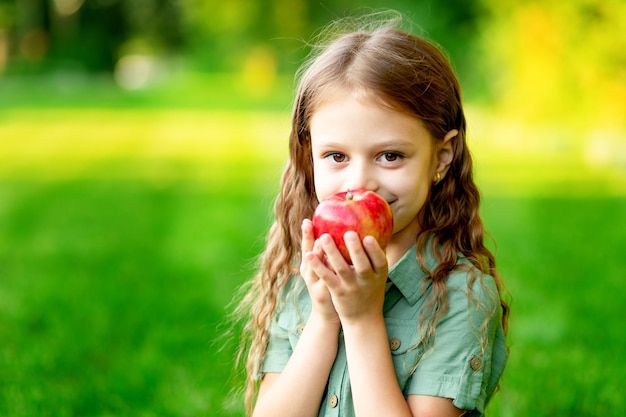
pixel 141 142
pixel 530 63
pixel 528 56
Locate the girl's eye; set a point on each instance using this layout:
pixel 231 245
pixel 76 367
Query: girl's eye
pixel 390 156
pixel 337 157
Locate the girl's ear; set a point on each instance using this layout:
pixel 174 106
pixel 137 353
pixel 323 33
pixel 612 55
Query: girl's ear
pixel 446 152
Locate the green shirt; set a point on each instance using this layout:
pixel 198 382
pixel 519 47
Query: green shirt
pixel 464 362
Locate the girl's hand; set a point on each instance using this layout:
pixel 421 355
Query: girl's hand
pixel 322 303
pixel 357 290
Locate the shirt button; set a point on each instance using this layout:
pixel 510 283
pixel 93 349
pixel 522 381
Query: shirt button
pixel 476 363
pixel 333 401
pixel 394 343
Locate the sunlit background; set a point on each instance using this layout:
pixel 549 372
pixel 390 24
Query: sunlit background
pixel 141 143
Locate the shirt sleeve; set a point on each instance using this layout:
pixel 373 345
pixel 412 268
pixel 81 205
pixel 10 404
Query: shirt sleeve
pixel 286 328
pixel 279 349
pixel 460 361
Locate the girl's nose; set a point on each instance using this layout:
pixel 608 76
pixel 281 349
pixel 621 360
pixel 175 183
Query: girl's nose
pixel 361 176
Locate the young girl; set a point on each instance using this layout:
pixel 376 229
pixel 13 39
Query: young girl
pixel 417 329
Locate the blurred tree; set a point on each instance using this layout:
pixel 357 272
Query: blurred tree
pixel 558 60
pixel 85 35
pixel 258 38
pixel 243 34
pixel 222 34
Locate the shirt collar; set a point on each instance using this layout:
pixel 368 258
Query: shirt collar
pixel 407 275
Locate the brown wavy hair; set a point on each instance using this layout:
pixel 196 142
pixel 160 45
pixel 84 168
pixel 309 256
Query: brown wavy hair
pixel 412 75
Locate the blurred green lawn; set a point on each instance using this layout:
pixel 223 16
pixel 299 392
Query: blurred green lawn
pixel 124 234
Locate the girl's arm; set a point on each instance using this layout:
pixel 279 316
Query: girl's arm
pixel 298 389
pixel 375 388
pixel 358 294
pixel 304 378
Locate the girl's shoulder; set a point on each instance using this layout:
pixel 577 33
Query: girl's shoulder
pixel 467 274
pixel 464 276
pixel 471 290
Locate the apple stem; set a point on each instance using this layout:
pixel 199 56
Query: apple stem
pixel 349 195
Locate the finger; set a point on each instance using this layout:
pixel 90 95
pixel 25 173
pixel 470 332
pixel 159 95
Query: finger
pixel 318 291
pixel 376 254
pixel 334 257
pixel 360 260
pixel 306 270
pixel 319 268
pixel 308 238
pixel 307 243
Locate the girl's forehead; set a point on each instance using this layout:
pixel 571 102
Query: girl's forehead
pixel 338 92
pixel 344 117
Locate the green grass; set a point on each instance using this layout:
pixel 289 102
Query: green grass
pixel 113 295
pixel 124 234
pixel 563 262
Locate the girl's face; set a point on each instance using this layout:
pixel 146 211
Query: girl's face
pixel 357 142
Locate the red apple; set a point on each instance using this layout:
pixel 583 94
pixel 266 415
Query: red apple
pixel 362 211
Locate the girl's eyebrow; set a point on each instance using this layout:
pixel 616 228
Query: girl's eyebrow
pixel 395 142
pixel 387 143
pixel 322 144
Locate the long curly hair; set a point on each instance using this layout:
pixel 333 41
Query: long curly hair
pixel 412 75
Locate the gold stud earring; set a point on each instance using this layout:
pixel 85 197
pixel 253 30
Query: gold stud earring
pixel 437 178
